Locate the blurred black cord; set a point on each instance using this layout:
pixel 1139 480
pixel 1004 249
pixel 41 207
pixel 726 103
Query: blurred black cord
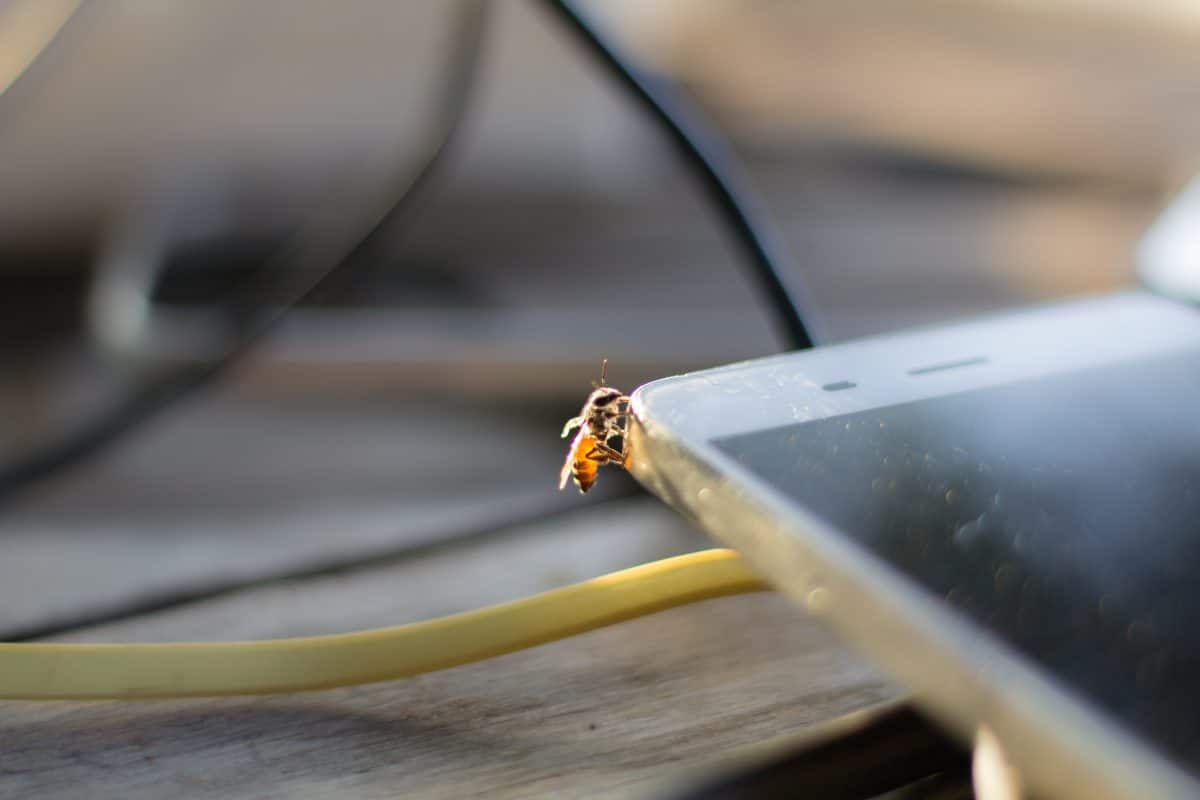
pixel 319 256
pixel 507 523
pixel 899 749
pixel 318 262
pixel 704 151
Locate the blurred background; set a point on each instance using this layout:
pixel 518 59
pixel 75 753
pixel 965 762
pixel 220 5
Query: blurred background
pixel 171 172
pixel 163 165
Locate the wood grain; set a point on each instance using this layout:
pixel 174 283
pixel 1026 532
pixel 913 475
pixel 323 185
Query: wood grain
pixel 603 713
pixel 614 712
pixel 243 488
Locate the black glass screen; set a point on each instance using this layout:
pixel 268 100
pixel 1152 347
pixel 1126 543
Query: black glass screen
pixel 1062 513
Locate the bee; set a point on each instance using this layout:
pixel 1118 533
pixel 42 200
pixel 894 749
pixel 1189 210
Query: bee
pixel 601 437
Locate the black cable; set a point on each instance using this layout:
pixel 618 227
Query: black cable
pixel 506 524
pixel 316 261
pixel 887 753
pixel 703 150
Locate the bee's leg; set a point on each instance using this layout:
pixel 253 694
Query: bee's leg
pixel 622 412
pixel 609 453
pixel 572 423
pixel 621 457
pixel 621 418
pixel 622 423
pixel 616 417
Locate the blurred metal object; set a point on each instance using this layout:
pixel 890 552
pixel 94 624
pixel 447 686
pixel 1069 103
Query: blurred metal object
pixel 123 318
pixel 121 315
pixel 313 257
pixel 126 321
pixel 287 95
pixel 992 774
pixel 27 27
pixel 1168 257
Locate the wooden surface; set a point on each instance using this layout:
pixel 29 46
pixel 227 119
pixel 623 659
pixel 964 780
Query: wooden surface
pixel 606 713
pixel 231 489
pixel 616 712
pixel 633 710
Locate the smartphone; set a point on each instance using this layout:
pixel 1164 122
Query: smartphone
pixel 1003 513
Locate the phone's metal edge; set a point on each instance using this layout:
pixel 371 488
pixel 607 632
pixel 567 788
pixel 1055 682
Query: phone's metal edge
pixel 883 366
pixel 962 675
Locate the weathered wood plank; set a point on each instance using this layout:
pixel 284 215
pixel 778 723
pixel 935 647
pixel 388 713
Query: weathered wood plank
pixel 242 487
pixel 611 712
pixel 603 713
pixel 512 563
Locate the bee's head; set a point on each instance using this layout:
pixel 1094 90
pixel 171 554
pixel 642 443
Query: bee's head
pixel 603 395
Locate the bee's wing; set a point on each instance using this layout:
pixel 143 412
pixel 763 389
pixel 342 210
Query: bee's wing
pixel 565 475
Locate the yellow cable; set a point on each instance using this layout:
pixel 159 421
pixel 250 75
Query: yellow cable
pixel 198 669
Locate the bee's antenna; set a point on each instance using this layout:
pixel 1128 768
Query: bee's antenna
pixel 603 374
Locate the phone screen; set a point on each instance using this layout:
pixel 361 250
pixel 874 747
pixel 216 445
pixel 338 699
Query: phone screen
pixel 1061 513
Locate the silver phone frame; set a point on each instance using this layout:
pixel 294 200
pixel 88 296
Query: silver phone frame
pixel 964 676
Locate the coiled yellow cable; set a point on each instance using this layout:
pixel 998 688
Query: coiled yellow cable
pixel 199 669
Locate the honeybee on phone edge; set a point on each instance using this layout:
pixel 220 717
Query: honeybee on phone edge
pixel 601 439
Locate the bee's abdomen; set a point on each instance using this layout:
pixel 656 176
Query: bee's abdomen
pixel 584 472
